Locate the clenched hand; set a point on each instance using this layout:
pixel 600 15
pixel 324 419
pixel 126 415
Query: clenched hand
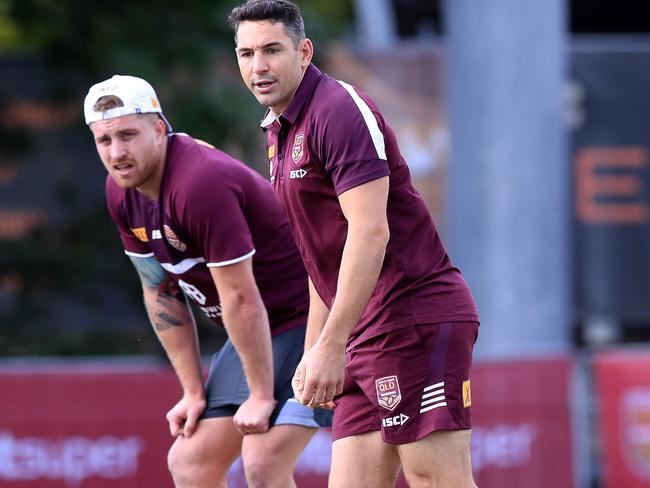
pixel 253 415
pixel 319 376
pixel 184 416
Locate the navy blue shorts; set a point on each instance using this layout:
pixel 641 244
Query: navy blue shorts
pixel 226 387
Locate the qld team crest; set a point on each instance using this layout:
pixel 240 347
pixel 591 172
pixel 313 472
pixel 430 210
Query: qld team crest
pixel 173 239
pixel 388 394
pixel 297 151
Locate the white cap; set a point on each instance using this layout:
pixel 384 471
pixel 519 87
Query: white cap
pixel 137 95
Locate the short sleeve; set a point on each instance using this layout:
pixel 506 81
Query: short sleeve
pixel 213 212
pixel 352 141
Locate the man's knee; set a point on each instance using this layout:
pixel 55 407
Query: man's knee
pixel 181 461
pixel 187 464
pixel 265 469
pixel 269 459
pixel 440 460
pixel 257 471
pixel 268 464
pixel 458 476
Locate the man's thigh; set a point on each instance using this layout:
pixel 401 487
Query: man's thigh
pixel 277 449
pixel 440 459
pixel 363 461
pixel 212 448
pixel 408 383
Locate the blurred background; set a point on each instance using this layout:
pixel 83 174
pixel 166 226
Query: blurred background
pixel 526 125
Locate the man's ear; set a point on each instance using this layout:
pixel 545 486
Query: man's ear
pixel 306 49
pixel 161 127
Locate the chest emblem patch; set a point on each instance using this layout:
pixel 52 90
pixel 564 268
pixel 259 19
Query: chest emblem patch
pixel 173 239
pixel 140 233
pixel 388 394
pixel 271 151
pixel 297 150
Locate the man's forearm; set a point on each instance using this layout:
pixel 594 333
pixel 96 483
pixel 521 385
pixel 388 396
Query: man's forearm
pixel 364 208
pixel 174 325
pixel 361 263
pixel 247 325
pixel 317 317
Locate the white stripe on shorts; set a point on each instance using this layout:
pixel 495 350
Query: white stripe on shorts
pixel 436 385
pixel 431 407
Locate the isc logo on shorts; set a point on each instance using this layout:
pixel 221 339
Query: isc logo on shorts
pixel 394 421
pixel 388 394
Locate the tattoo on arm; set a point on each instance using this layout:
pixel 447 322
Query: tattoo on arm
pixel 150 271
pixel 170 307
pixel 168 320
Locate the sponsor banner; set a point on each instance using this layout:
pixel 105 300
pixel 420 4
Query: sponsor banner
pixel 85 426
pixel 623 396
pixel 90 427
pixel 521 423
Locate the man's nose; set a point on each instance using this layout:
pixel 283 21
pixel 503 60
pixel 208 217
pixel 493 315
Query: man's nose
pixel 117 151
pixel 259 63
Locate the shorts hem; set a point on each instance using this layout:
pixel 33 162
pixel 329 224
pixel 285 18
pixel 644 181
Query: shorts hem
pixel 212 412
pixel 336 437
pixel 311 424
pixel 421 434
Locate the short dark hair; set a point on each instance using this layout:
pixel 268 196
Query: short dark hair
pixel 272 10
pixel 108 102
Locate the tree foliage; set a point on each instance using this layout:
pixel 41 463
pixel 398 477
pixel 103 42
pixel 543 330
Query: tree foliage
pixel 78 294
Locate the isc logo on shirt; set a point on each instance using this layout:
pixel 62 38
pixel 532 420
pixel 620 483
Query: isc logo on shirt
pixel 297 174
pixel 394 421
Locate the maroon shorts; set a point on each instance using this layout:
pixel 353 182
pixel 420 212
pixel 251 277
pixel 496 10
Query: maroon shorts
pixel 408 383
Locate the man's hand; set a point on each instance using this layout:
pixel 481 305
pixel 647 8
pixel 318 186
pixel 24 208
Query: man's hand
pixel 320 374
pixel 184 416
pixel 253 415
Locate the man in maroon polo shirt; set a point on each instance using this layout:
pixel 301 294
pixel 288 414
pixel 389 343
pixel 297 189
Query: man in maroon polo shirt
pixel 392 323
pixel 197 223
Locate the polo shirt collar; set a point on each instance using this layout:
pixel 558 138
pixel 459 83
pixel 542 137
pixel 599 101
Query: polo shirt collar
pixel 303 93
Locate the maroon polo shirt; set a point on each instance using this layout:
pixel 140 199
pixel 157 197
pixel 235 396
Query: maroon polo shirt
pixel 330 139
pixel 214 211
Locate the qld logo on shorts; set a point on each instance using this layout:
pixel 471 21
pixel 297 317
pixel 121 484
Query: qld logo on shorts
pixel 173 239
pixel 297 151
pixel 388 394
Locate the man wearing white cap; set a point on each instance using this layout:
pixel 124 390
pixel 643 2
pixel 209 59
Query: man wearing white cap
pixel 197 223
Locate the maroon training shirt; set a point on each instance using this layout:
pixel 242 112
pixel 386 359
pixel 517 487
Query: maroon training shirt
pixel 214 211
pixel 331 138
